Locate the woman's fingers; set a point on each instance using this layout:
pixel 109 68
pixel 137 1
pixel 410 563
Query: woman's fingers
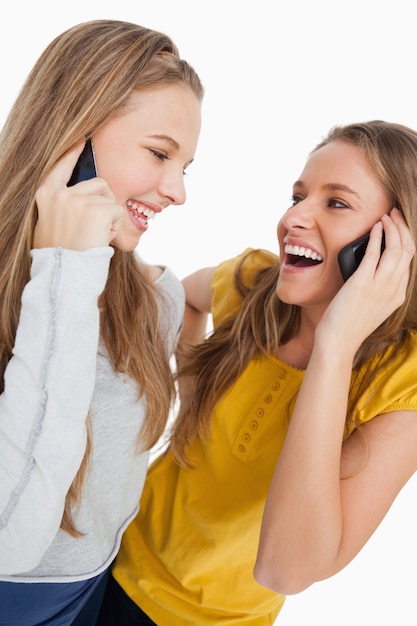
pixel 375 290
pixel 79 217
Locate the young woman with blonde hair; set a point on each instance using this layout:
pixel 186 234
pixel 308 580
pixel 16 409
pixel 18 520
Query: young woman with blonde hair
pixel 298 422
pixel 87 329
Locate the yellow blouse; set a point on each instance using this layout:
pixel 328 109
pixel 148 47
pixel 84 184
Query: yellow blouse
pixel 187 558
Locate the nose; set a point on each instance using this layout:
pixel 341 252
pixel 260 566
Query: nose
pixel 172 187
pixel 300 215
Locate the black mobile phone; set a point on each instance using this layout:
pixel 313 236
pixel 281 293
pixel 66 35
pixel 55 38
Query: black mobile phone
pixel 351 255
pixel 85 168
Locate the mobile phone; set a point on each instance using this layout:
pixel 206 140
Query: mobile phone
pixel 85 168
pixel 351 255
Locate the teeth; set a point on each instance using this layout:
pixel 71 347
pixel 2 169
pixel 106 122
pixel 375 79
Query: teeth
pixel 300 251
pixel 134 206
pixel 149 214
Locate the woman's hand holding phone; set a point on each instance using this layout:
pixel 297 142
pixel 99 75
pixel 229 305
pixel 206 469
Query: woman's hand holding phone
pixel 374 291
pixel 77 217
pixel 351 255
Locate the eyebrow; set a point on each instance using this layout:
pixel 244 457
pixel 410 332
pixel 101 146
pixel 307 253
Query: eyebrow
pixel 166 138
pixel 331 187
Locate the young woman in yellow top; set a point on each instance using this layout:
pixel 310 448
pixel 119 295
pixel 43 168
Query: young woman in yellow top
pixel 298 422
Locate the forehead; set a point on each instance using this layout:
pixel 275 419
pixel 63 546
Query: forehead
pixel 174 105
pixel 172 111
pixel 163 98
pixel 342 169
pixel 340 162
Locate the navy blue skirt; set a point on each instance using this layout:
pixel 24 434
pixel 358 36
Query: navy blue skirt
pixel 52 604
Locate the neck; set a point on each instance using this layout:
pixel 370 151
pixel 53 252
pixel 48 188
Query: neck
pixel 297 351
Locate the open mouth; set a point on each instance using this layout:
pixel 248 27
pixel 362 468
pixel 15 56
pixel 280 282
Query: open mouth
pixel 298 256
pixel 140 213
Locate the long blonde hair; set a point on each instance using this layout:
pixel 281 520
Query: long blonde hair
pixel 82 78
pixel 263 322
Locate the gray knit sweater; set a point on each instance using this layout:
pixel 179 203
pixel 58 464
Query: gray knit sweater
pixel 59 371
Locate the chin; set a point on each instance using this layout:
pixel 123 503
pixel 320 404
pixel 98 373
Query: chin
pixel 283 295
pixel 126 244
pixel 284 290
pixel 124 248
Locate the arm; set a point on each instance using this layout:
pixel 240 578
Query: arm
pixel 325 501
pixel 49 381
pixel 196 312
pixel 48 388
pixel 197 305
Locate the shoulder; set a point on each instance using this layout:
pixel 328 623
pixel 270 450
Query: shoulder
pixel 250 261
pixel 226 299
pixel 394 385
pixel 153 272
pixel 167 287
pixel 170 288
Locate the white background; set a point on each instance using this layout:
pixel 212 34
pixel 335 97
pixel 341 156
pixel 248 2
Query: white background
pixel 277 75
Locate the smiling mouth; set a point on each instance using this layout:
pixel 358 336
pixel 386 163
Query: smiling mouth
pixel 298 256
pixel 140 213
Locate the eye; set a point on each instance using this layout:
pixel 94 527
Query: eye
pixel 337 204
pixel 295 200
pixel 185 169
pixel 159 155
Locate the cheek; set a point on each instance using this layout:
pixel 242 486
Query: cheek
pixel 281 230
pixel 126 171
pixel 126 180
pixel 332 277
pixel 336 282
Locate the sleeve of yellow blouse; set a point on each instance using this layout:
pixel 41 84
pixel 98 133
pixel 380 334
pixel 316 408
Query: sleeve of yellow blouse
pixel 225 299
pixel 394 386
